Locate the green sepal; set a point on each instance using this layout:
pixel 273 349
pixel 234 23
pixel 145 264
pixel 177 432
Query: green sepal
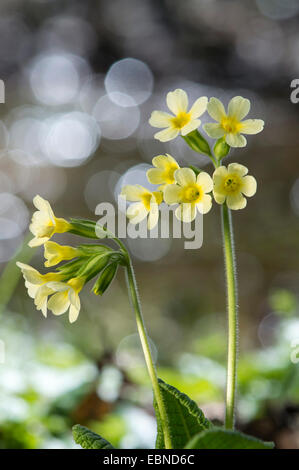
pixel 88 439
pixel 219 438
pixel 105 279
pixel 93 249
pixel 184 418
pixel 195 169
pixel 221 148
pixel 94 265
pixel 198 143
pixel 71 267
pixel 84 228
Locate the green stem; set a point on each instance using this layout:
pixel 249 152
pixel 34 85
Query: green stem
pixel 132 287
pixel 229 257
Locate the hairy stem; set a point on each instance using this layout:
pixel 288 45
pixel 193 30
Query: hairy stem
pixel 232 308
pixel 132 287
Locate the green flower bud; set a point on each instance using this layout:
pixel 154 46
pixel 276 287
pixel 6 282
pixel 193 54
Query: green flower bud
pixel 105 278
pixel 197 142
pixel 221 148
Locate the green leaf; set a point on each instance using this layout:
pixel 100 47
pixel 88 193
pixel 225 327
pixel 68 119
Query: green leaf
pixel 185 419
pixel 198 143
pixel 221 148
pixel 88 439
pixel 218 438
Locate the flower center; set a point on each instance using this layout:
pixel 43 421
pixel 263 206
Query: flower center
pixel 232 183
pixel 192 193
pixel 181 119
pixel 169 174
pixel 146 200
pixel 231 125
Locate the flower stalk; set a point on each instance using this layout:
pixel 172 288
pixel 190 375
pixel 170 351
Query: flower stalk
pixel 232 309
pixel 133 293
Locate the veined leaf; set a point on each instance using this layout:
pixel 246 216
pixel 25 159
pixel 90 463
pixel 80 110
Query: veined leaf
pixel 88 439
pixel 218 438
pixel 185 419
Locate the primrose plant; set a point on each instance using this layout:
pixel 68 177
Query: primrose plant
pixel 180 422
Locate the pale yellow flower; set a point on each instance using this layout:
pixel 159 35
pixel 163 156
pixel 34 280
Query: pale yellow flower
pixel 231 124
pixel 163 173
pixel 55 253
pixel 37 285
pixel 190 193
pixel 146 203
pixel 231 184
pixel 44 223
pixel 182 121
pixel 66 297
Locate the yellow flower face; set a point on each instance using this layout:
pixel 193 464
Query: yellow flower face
pixel 183 120
pixel 231 184
pixel 163 173
pixel 66 297
pixel 55 253
pixel 146 203
pixel 44 223
pixel 36 284
pixel 190 192
pixel 230 124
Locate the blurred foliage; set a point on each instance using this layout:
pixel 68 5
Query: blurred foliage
pixel 54 374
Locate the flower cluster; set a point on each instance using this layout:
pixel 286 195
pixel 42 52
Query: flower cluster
pixel 59 290
pixel 189 188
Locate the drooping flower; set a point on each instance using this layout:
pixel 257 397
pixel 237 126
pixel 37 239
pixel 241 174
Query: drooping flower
pixel 231 184
pixel 146 203
pixel 44 223
pixel 163 173
pixel 182 121
pixel 55 253
pixel 66 297
pixel 231 124
pixel 37 285
pixel 190 193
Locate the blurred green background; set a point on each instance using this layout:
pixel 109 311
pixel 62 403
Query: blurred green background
pixel 81 79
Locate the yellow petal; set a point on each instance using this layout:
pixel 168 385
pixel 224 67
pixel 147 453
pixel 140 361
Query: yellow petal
pixel 205 181
pixel 132 192
pixel 73 313
pixel 235 140
pixel 166 134
pixel 172 194
pixel 153 217
pixel 185 176
pixel 37 242
pixel 214 130
pixel 59 303
pixel 186 212
pixel 249 186
pixel 216 109
pixel 136 213
pixel 160 119
pixel 252 126
pixel 237 168
pixel 205 205
pixel 155 176
pixel 177 101
pixel 199 107
pixel 236 201
pixel 238 107
pixel 219 197
pixel 218 178
pixel 191 126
